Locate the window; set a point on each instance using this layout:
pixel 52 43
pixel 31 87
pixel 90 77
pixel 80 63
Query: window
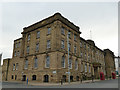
pixel 28 37
pixel 74 37
pixel 19 44
pixel 85 46
pixel 12 77
pixel 88 58
pixel 16 45
pixel 26 64
pixel 37 47
pixel 70 63
pixel 35 62
pixel 69 34
pixel 28 49
pixel 15 77
pixel 47 62
pixel 62 44
pixel 63 62
pixel 16 66
pixel 89 69
pixel 75 49
pixel 76 64
pixel 18 53
pixel 34 77
pixel 119 65
pixel 80 44
pixel 48 44
pixel 81 54
pixel 85 56
pixel 49 30
pixel 85 67
pixel 81 67
pixel 38 34
pixel 69 45
pixel 62 30
pixel 13 67
pixel 15 54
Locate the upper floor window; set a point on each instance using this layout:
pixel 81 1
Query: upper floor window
pixel 63 62
pixel 16 66
pixel 28 48
pixel 76 64
pixel 75 49
pixel 13 67
pixel 80 44
pixel 37 47
pixel 69 45
pixel 75 37
pixel 88 57
pixel 69 34
pixel 85 67
pixel 26 64
pixel 48 44
pixel 89 69
pixel 81 67
pixel 38 34
pixel 18 53
pixel 15 54
pixel 28 39
pixel 16 45
pixel 70 63
pixel 62 30
pixel 49 30
pixel 35 62
pixel 62 44
pixel 85 46
pixel 85 56
pixel 81 54
pixel 19 44
pixel 47 61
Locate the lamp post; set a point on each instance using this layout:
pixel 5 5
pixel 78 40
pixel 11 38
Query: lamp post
pixel 68 57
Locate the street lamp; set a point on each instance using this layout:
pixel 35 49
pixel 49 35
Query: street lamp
pixel 68 57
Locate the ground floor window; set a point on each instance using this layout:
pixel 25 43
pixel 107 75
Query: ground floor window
pixel 15 77
pixel 34 77
pixel 71 78
pixel 46 78
pixel 12 77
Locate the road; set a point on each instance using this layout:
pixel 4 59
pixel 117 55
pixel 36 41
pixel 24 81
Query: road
pixel 97 84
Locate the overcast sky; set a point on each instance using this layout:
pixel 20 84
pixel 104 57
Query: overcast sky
pixel 99 17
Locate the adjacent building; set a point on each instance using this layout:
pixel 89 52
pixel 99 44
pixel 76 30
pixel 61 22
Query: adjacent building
pixel 41 54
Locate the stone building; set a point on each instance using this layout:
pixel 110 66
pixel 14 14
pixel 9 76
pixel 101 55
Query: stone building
pixel 41 54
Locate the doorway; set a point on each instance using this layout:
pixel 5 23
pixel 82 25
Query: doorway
pixel 46 78
pixel 24 77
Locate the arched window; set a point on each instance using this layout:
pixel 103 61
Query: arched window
pixel 47 61
pixel 34 77
pixel 63 62
pixel 35 62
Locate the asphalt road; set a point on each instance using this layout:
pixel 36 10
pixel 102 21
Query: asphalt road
pixel 98 84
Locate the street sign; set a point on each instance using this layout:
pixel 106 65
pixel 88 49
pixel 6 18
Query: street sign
pixel 54 71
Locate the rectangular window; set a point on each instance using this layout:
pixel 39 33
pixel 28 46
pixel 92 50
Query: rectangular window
pixel 15 54
pixel 47 62
pixel 35 62
pixel 88 58
pixel 63 62
pixel 81 54
pixel 28 39
pixel 28 48
pixel 13 67
pixel 16 45
pixel 89 69
pixel 81 67
pixel 76 64
pixel 69 45
pixel 12 77
pixel 80 44
pixel 18 53
pixel 62 30
pixel 75 49
pixel 85 46
pixel 19 44
pixel 37 47
pixel 74 37
pixel 49 30
pixel 16 66
pixel 69 34
pixel 62 44
pixel 38 34
pixel 26 64
pixel 85 67
pixel 48 44
pixel 70 63
pixel 85 56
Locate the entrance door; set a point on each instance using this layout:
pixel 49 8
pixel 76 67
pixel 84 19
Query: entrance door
pixel 64 78
pixel 46 78
pixel 24 77
pixel 71 78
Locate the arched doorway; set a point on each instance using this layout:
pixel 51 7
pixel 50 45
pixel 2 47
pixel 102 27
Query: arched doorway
pixel 71 78
pixel 77 78
pixel 34 77
pixel 24 77
pixel 46 78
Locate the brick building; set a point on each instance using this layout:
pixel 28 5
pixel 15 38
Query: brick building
pixel 41 54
